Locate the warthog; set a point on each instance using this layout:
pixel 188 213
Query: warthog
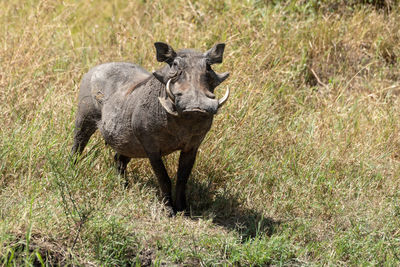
pixel 142 114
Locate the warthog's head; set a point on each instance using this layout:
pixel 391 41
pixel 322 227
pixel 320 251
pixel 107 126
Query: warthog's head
pixel 190 81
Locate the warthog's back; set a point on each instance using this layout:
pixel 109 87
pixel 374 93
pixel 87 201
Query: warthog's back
pixel 104 80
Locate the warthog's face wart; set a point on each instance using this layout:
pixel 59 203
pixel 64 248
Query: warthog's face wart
pixel 190 81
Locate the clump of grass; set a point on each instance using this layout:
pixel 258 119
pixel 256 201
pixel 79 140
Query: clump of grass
pixel 300 168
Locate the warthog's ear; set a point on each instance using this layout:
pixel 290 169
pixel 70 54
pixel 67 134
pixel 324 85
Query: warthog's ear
pixel 165 53
pixel 215 54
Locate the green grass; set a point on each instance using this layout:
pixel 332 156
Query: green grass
pixel 301 167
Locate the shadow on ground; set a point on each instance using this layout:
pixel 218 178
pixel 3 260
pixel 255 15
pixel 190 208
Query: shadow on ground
pixel 226 209
pixel 207 199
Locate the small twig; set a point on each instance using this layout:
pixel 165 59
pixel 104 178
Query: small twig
pixel 352 78
pixel 317 78
pixel 80 223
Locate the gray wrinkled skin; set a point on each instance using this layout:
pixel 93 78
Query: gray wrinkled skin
pixel 131 109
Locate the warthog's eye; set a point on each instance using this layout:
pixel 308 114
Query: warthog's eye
pixel 177 63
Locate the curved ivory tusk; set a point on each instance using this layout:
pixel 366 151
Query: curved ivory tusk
pixel 169 93
pixel 166 105
pixel 222 100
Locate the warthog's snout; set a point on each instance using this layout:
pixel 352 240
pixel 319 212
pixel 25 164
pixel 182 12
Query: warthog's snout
pixel 192 99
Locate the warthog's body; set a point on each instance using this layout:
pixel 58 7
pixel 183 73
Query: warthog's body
pixel 139 118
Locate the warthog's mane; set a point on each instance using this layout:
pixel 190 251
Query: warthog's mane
pixel 138 84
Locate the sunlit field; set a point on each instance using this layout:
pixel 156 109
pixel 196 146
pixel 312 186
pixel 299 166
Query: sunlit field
pixel 301 166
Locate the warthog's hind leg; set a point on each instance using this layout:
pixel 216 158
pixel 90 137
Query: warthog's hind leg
pixel 85 124
pixel 121 163
pixel 84 129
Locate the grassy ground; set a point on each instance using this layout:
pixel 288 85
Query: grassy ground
pixel 300 168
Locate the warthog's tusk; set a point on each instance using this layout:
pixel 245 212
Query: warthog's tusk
pixel 222 100
pixel 166 106
pixel 169 93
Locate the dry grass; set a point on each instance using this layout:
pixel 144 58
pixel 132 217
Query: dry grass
pixel 300 168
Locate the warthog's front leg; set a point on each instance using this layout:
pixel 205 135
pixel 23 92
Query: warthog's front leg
pixel 163 178
pixel 186 162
